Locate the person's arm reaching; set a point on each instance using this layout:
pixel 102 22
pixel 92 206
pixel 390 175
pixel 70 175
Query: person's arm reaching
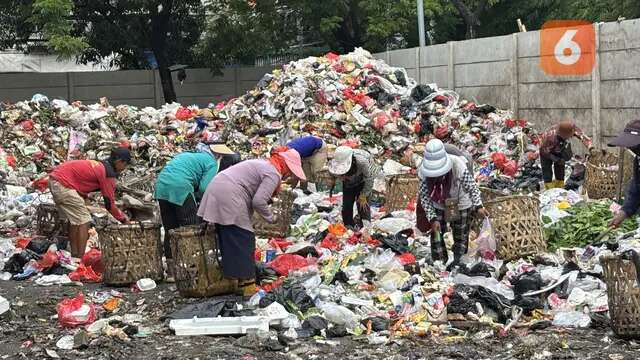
pixel 108 190
pixel 577 132
pixel 261 198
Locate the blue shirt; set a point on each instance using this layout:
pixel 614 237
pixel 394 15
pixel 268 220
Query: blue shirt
pixel 187 174
pixel 306 145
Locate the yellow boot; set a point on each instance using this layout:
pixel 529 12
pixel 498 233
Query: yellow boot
pixel 247 288
pixel 559 184
pixel 549 185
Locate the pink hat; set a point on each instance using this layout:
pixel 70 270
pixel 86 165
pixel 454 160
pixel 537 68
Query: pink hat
pixel 292 159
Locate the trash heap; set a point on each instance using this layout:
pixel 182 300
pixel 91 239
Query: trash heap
pixel 360 101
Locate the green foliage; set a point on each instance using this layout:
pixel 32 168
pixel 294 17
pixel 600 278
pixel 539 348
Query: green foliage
pixel 585 224
pixel 53 18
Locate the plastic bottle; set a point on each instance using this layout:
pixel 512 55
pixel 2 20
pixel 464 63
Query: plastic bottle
pixel 255 299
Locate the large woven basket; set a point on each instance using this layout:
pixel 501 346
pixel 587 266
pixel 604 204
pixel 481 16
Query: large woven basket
pixel 48 221
pixel 400 191
pixel 602 175
pixel 624 296
pixel 281 207
pixel 197 271
pixel 517 225
pixel 131 252
pixel 488 194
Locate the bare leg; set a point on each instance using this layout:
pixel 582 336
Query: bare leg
pixel 83 236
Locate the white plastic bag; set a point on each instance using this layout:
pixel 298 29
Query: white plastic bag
pixel 486 240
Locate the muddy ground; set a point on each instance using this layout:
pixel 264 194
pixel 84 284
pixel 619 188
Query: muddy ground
pixel 28 330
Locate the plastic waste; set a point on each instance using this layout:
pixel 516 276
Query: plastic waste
pixel 339 315
pixel 74 312
pixel 488 283
pixel 571 319
pixel 65 342
pixel 85 273
pixel 146 284
pixel 486 244
pixel 285 263
pixel 394 279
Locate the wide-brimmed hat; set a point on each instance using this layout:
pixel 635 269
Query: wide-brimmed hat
pixel 436 161
pixel 294 163
pixel 630 137
pixel 221 149
pixel 341 162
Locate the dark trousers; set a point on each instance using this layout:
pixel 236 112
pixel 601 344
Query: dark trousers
pixel 349 197
pixel 237 248
pixel 174 216
pixel 460 232
pixel 551 168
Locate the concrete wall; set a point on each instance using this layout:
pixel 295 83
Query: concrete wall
pixel 504 71
pixel 133 87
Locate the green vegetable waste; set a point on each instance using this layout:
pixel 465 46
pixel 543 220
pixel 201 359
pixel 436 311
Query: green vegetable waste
pixel 584 226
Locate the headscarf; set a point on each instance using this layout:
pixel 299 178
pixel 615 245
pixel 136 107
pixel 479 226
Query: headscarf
pixel 278 161
pixel 439 188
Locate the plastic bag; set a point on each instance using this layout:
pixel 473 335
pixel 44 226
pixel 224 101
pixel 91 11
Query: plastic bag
pixel 49 260
pixel 571 319
pixel 93 258
pixel 74 312
pixel 339 315
pixel 285 263
pixel 499 159
pixel 486 241
pixel 330 242
pixel 337 229
pixel 85 273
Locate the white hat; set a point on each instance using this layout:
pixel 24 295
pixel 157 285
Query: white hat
pixel 436 161
pixel 341 162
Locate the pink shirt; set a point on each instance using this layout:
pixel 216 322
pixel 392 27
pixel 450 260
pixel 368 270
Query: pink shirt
pixel 235 193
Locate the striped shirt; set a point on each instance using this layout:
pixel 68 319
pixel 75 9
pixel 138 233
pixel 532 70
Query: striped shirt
pixel 468 185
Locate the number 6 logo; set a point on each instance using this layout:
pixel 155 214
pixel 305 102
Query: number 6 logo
pixel 567 47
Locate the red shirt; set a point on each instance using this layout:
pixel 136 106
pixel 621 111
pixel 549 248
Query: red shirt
pixel 86 176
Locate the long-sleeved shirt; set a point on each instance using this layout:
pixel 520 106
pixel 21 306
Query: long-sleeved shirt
pixel 464 178
pixel 87 176
pixel 366 172
pixel 632 198
pixel 235 193
pixel 187 173
pixel 551 144
pixel 306 145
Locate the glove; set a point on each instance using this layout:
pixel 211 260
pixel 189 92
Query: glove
pixel 362 200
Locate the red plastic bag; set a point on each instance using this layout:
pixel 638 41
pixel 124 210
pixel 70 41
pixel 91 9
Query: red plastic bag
pixel 49 260
pixel 280 243
pixel 330 242
pixel 41 184
pixel 66 308
pixel 332 56
pixel 406 259
pixel 510 168
pixel 23 242
pixel 499 159
pixel 380 120
pixel 93 259
pixel 85 273
pixel 355 238
pixel 184 114
pixel 285 263
pixel 442 132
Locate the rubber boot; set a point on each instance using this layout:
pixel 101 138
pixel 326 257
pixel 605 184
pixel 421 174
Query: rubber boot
pixel 549 185
pixel 247 288
pixel 559 184
pixel 171 275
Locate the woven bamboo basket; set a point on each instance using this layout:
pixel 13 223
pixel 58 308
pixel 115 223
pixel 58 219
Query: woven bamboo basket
pixel 517 225
pixel 48 221
pixel 400 191
pixel 602 175
pixel 488 194
pixel 197 271
pixel 323 180
pixel 131 252
pixel 623 295
pixel 281 207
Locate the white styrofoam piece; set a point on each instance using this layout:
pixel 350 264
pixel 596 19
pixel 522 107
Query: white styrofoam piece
pixel 4 305
pixel 219 325
pixel 275 312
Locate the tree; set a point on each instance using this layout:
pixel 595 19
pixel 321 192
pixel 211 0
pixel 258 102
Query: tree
pixel 470 11
pixel 125 32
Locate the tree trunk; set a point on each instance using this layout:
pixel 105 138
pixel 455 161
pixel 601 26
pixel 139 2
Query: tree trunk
pixel 471 19
pixel 159 27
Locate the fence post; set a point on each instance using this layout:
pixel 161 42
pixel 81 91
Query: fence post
pixel 156 93
pixel 595 92
pixel 515 80
pixel 70 84
pixel 451 68
pixel 418 76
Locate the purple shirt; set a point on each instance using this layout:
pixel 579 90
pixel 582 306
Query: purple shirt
pixel 235 193
pixel 306 145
